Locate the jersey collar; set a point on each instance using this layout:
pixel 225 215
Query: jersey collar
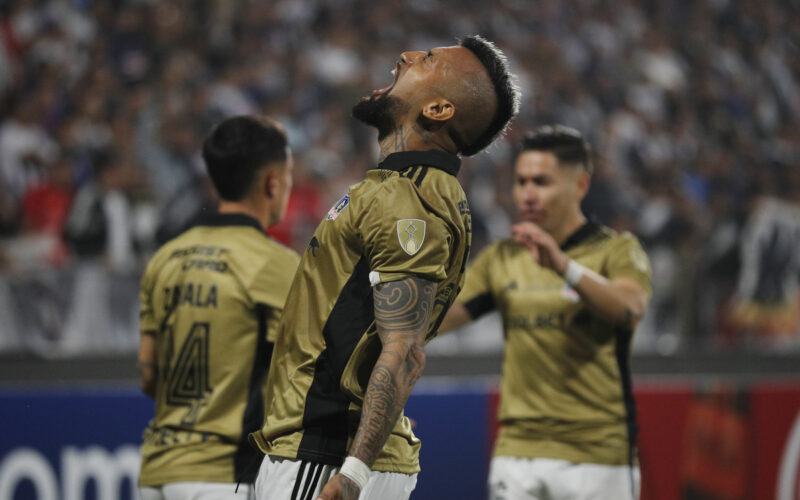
pixel 217 219
pixel 442 160
pixel 580 235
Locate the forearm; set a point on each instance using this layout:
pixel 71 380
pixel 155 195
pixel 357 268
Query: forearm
pixel 456 317
pixel 147 377
pixel 397 370
pixel 402 316
pixel 618 303
pixel 146 364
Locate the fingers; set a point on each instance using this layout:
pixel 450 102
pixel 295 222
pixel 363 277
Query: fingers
pixel 330 491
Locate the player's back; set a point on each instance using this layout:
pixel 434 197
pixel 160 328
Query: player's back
pixel 212 296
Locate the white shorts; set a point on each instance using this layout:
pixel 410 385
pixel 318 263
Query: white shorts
pixel 512 478
pixel 197 491
pixel 286 479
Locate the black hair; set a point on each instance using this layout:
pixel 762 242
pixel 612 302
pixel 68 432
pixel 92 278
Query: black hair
pixel 505 88
pixel 566 143
pixel 238 148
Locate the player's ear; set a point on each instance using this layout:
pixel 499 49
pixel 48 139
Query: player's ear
pixel 439 110
pixel 270 182
pixel 583 184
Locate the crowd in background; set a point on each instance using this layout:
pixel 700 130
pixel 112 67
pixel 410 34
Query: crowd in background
pixel 693 109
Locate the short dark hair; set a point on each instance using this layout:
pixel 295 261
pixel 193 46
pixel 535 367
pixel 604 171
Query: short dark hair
pixel 566 143
pixel 237 148
pixel 505 88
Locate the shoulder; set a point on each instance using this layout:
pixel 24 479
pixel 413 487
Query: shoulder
pixel 167 250
pixel 621 239
pixel 283 259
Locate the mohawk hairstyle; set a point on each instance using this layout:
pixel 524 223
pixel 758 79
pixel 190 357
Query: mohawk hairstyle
pixel 505 87
pixel 566 143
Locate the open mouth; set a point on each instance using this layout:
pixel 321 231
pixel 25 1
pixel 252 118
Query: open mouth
pixel 385 90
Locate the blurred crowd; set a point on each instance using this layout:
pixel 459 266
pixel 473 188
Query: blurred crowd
pixel 693 109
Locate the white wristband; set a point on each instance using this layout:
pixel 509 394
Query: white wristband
pixel 355 470
pixel 574 273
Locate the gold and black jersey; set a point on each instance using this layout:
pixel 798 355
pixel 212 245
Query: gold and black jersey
pixel 408 217
pixel 213 297
pixel 565 390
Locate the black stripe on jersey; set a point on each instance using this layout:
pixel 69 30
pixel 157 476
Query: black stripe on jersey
pixel 253 417
pixel 216 219
pixel 580 235
pixel 622 350
pixel 421 176
pixel 409 172
pixel 326 416
pixel 442 160
pixel 298 479
pixel 480 305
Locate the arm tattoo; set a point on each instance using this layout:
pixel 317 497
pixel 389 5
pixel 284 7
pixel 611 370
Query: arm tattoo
pixel 348 489
pixel 403 306
pixel 402 315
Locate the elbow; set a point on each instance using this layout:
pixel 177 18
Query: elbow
pixel 634 312
pixel 415 360
pixel 148 387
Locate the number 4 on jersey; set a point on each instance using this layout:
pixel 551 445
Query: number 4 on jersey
pixel 188 379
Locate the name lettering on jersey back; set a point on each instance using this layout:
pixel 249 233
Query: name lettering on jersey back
pixel 190 294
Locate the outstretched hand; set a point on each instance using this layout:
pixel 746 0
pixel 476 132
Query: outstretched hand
pixel 340 487
pixel 543 247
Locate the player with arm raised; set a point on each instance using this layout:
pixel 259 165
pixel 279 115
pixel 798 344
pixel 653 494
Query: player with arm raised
pixel 376 279
pixel 570 293
pixel 211 299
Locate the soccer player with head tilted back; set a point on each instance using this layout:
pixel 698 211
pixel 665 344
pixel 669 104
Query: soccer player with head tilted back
pixel 211 299
pixel 375 281
pixel 570 293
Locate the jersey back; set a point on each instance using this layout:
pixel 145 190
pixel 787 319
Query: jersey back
pixel 212 298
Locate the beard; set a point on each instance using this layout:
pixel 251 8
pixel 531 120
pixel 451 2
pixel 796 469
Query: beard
pixel 380 112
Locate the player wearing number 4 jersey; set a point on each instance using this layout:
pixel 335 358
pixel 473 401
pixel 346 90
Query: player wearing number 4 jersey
pixel 210 302
pixel 570 293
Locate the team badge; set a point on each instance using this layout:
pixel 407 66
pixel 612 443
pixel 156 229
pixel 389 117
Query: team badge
pixel 411 234
pixel 340 205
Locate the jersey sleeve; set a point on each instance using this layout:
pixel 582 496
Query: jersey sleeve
pixel 629 260
pixel 269 287
pixel 402 237
pixel 476 296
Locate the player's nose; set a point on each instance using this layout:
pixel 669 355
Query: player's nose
pixel 411 56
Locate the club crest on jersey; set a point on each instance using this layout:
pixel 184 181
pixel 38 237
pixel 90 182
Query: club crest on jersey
pixel 340 205
pixel 411 234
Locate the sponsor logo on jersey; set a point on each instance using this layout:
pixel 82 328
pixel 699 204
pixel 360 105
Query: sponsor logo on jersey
pixel 313 246
pixel 340 205
pixel 411 234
